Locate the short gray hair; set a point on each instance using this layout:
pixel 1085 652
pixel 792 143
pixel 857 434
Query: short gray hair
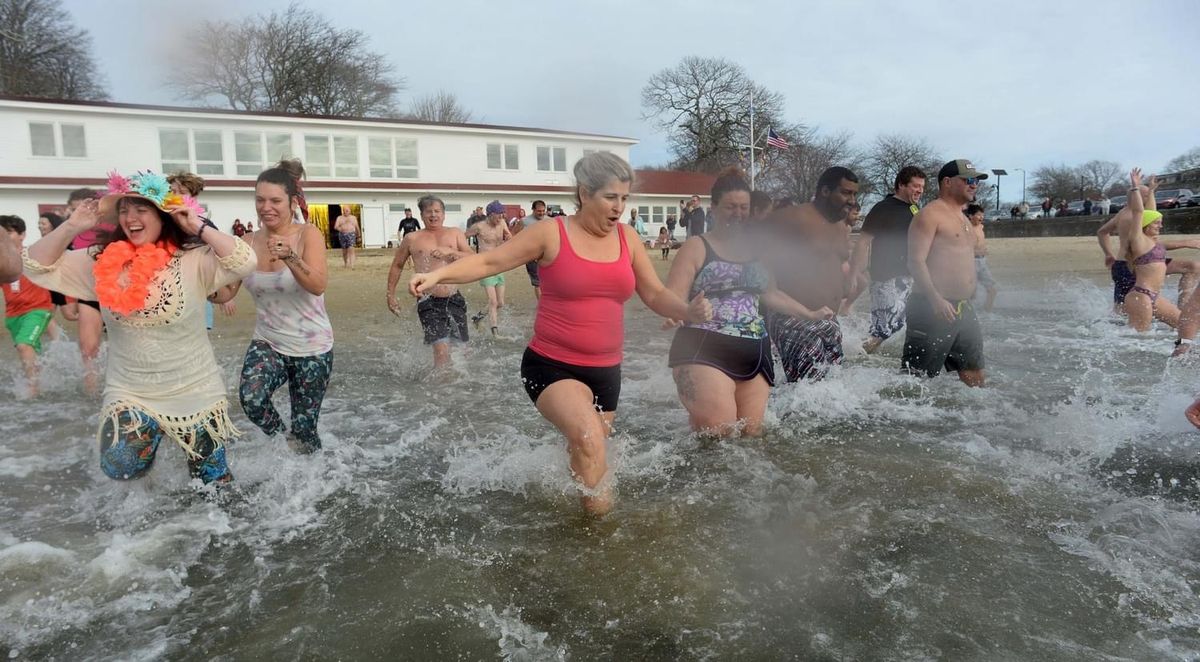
pixel 597 169
pixel 427 200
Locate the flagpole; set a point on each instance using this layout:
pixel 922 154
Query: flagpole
pixel 752 137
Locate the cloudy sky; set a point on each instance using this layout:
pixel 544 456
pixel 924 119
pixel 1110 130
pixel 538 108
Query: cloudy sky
pixel 1009 84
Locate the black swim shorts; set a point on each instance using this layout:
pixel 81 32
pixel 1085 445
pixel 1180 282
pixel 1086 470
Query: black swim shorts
pixel 443 318
pixel 931 343
pixel 539 372
pixel 741 359
pixel 531 268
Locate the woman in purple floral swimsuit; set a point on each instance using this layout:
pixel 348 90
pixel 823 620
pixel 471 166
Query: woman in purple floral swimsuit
pixel 723 368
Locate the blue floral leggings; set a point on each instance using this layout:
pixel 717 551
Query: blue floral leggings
pixel 128 449
pixel 307 377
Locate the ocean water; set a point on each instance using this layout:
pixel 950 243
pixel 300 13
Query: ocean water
pixel 1050 516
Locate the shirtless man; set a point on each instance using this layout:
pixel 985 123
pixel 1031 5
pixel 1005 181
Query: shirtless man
pixel 489 234
pixel 942 328
pixel 1122 276
pixel 531 268
pixel 10 262
pixel 983 275
pixel 346 227
pixel 443 312
pixel 810 244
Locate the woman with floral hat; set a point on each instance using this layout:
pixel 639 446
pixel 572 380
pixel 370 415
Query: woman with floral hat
pixel 151 275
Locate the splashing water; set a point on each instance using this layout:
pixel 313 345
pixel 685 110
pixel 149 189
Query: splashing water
pixel 1051 516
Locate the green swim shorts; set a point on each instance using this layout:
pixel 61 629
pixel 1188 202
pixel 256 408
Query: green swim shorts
pixel 27 329
pixel 492 281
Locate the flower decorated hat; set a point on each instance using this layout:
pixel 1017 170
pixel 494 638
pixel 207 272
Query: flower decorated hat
pixel 149 186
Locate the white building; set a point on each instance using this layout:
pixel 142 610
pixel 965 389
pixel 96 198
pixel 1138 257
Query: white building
pixel 379 167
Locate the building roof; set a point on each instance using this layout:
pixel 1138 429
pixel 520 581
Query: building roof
pixel 255 113
pixel 672 182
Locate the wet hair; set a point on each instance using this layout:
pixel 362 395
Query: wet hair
pixel 427 200
pixel 906 175
pixel 14 223
pixel 55 219
pixel 973 208
pixel 82 194
pixel 596 170
pixel 287 173
pixel 535 203
pixel 760 202
pixel 834 176
pixel 191 182
pixel 729 180
pixel 171 232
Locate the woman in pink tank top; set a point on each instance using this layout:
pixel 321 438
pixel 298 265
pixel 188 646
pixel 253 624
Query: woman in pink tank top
pixel 589 265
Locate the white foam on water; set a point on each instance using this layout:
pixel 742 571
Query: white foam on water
pixel 516 641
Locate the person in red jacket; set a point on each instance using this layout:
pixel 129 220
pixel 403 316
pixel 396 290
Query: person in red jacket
pixel 28 310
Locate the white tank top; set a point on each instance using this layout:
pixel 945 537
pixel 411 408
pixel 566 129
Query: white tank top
pixel 290 319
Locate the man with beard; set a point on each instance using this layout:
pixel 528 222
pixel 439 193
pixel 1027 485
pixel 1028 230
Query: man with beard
pixel 810 245
pixel 943 329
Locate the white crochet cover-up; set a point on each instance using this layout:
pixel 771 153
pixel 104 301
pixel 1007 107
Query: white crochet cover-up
pixel 160 361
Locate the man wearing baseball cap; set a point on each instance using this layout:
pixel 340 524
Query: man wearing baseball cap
pixel 490 234
pixel 942 328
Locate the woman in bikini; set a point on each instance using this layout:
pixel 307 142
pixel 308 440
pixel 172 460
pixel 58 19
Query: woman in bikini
pixel 1139 231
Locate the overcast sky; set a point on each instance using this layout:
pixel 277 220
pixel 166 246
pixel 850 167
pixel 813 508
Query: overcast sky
pixel 1009 84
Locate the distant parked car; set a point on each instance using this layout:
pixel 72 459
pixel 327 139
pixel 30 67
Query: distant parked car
pixel 1172 198
pixel 1074 208
pixel 1117 203
pixel 1193 201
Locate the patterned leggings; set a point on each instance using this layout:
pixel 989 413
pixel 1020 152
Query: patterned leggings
pixel 128 451
pixel 307 377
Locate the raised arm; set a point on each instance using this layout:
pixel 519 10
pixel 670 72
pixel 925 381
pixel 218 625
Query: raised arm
pixel 50 247
pixel 309 271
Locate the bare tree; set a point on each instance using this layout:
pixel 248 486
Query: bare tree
pixel 888 153
pixel 43 54
pixel 441 106
pixel 295 61
pixel 703 104
pixel 1096 176
pixel 1187 161
pixel 1057 182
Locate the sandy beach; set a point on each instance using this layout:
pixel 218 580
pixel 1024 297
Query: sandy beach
pixel 355 298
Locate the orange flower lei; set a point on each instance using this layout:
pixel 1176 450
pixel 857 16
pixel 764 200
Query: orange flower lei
pixel 143 262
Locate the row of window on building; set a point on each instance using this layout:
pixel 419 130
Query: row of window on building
pixel 202 151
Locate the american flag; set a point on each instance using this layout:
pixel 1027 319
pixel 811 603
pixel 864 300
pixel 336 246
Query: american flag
pixel 774 140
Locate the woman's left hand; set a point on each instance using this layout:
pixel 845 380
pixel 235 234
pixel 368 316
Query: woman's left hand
pixel 187 219
pixel 699 309
pixel 280 249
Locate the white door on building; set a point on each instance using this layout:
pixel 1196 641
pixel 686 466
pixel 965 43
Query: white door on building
pixel 374 232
